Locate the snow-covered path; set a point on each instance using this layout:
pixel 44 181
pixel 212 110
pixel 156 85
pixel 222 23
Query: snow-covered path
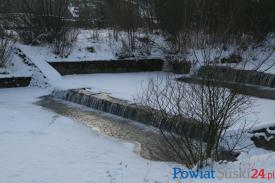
pixel 40 146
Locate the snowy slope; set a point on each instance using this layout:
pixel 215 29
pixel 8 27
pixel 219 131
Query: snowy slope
pixel 105 48
pixel 15 68
pixel 39 61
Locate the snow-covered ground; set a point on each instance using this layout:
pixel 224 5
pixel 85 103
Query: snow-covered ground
pixel 41 146
pixel 105 48
pixel 123 85
pixel 15 68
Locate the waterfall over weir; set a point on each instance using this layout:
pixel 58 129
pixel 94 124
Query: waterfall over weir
pixel 122 108
pixel 239 76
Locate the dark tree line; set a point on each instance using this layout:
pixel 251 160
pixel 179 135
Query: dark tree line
pixel 249 16
pixel 221 20
pixel 43 17
pixel 256 17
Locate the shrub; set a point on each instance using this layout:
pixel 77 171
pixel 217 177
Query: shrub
pixel 6 45
pixel 63 45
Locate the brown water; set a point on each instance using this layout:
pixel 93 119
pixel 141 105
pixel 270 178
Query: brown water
pixel 150 143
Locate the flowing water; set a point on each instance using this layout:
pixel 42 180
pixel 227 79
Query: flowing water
pixel 149 142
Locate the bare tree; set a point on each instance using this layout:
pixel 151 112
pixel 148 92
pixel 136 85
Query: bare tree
pixel 44 19
pixel 47 21
pixel 63 45
pixel 125 17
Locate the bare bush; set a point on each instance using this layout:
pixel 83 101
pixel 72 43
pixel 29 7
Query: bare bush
pixel 6 45
pixel 215 109
pixel 145 44
pixel 5 51
pixel 125 16
pixel 63 45
pixel 95 35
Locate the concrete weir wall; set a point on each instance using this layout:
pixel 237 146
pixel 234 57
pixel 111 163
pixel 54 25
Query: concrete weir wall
pixel 108 66
pixel 142 114
pixel 249 90
pixel 251 77
pixel 15 82
pixel 247 82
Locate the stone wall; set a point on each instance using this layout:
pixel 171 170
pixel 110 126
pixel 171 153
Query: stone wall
pixel 14 82
pixel 251 77
pixel 264 138
pixel 249 90
pixel 112 66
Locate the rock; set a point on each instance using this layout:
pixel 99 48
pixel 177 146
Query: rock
pixel 91 49
pixel 264 138
pixel 232 59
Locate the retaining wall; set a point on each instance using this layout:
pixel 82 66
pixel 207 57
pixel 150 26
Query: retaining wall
pixel 15 82
pixel 112 66
pixel 224 73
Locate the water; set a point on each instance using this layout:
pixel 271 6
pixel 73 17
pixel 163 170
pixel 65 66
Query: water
pixel 149 142
pixel 106 103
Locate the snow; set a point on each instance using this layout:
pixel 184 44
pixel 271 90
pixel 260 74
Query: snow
pixel 41 146
pixel 128 86
pixel 258 135
pixel 39 61
pixel 79 52
pixel 105 48
pixel 74 11
pixel 260 57
pixel 262 114
pixel 123 85
pixel 15 68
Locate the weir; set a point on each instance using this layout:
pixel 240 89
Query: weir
pixel 125 109
pixel 251 77
pixel 246 82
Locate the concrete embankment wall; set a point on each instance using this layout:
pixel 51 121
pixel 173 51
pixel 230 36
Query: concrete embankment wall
pixel 251 77
pixel 110 66
pixel 251 83
pixel 249 90
pixel 15 82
